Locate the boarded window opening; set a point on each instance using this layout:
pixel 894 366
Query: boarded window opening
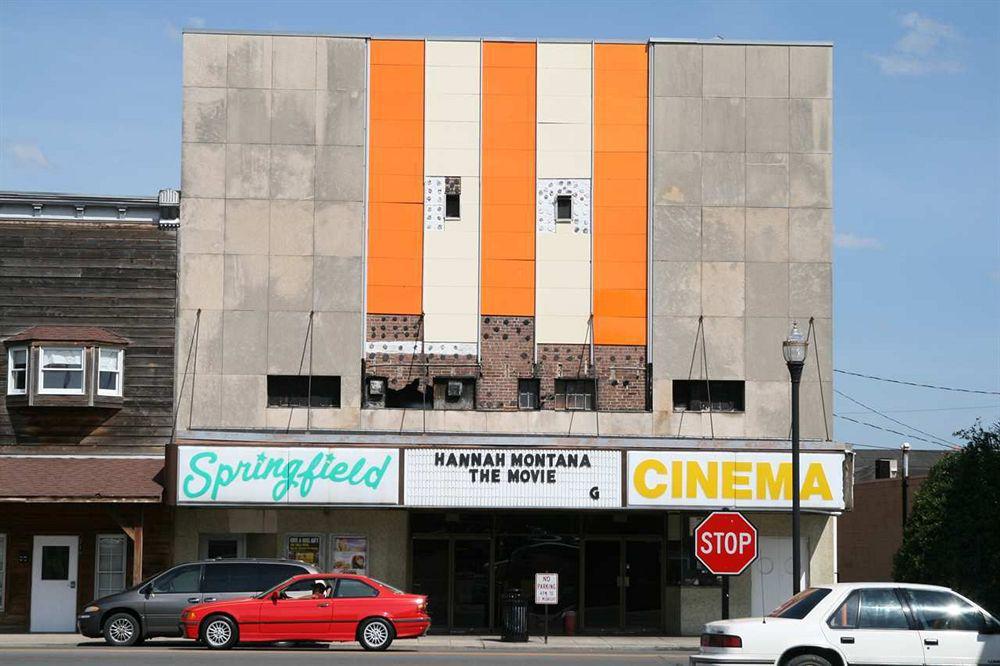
pixel 296 391
pixel 692 395
pixel 452 207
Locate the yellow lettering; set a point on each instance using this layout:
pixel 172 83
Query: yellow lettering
pixel 736 474
pixel 771 485
pixel 709 482
pixel 816 483
pixel 642 470
pixel 676 488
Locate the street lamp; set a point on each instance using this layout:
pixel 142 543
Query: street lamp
pixel 794 350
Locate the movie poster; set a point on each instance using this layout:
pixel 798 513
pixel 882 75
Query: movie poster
pixel 350 554
pixel 306 549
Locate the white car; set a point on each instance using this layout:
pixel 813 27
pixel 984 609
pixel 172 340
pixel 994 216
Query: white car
pixel 859 623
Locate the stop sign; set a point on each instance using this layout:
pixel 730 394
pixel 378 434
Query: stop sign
pixel 726 543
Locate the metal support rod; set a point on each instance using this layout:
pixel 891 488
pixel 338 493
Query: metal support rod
pixel 905 478
pixel 725 597
pixel 795 372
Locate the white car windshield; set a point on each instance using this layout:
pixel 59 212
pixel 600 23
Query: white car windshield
pixel 801 604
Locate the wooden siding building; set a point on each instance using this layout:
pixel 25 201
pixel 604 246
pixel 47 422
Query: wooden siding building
pixel 88 295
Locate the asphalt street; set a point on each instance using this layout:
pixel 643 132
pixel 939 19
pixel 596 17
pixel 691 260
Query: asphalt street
pixel 151 656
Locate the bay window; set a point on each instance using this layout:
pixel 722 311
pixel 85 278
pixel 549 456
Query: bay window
pixel 109 372
pixel 17 371
pixel 60 370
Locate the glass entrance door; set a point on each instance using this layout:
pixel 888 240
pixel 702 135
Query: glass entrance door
pixel 454 573
pixel 622 585
pixel 602 563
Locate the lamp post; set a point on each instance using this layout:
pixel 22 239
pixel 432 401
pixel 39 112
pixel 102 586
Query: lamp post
pixel 905 476
pixel 794 350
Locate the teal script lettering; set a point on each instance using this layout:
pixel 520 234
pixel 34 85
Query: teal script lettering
pixel 294 478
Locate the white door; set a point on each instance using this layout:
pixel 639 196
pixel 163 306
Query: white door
pixel 53 583
pixel 870 627
pixel 952 630
pixel 771 573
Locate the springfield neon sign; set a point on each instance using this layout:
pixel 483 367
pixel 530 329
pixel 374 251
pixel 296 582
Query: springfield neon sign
pixel 287 475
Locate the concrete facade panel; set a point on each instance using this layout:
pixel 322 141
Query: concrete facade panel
pixel 293 62
pixel 247 171
pixel 204 119
pixel 247 224
pixel 767 234
pixel 676 233
pixel 293 116
pixel 245 285
pixel 205 61
pixel 677 70
pixel 249 63
pixel 723 70
pixel 723 234
pixel 767 71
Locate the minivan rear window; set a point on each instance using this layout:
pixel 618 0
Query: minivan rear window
pixel 801 604
pixel 246 576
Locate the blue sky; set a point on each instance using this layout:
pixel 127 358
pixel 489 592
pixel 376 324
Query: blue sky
pixel 90 101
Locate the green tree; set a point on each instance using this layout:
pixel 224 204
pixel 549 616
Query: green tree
pixel 953 535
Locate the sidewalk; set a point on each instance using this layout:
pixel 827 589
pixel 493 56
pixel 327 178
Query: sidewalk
pixel 427 643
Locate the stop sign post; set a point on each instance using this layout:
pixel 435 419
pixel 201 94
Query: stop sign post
pixel 726 543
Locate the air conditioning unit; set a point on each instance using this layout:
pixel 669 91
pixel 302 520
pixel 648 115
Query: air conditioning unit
pixel 454 389
pixel 886 468
pixel 376 387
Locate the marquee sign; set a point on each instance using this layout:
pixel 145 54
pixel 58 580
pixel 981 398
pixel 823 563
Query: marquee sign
pixel 287 475
pixel 735 479
pixel 512 478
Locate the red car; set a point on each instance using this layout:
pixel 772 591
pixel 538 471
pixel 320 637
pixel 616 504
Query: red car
pixel 315 608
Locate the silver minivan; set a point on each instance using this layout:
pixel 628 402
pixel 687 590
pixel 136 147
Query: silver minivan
pixel 153 607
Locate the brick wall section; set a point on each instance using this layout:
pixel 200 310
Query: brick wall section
pixel 402 369
pixel 507 346
pixel 621 372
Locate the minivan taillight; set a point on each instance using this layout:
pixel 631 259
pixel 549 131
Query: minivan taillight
pixel 721 641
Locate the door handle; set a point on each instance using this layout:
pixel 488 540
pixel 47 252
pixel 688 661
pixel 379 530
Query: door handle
pixel 72 585
pixel 209 599
pixel 847 640
pixel 193 600
pixel 323 605
pixel 930 641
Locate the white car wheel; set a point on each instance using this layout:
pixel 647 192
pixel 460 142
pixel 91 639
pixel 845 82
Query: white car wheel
pixel 375 634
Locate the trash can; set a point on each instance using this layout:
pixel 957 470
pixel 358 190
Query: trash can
pixel 514 617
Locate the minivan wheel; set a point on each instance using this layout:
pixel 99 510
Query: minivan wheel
pixel 122 630
pixel 219 632
pixel 375 634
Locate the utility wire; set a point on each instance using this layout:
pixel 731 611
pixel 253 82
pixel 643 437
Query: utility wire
pixel 895 432
pixel 928 409
pixel 930 386
pixel 889 418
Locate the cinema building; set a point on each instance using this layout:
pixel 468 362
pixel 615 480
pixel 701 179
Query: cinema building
pixel 453 312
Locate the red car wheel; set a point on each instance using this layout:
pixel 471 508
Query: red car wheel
pixel 219 632
pixel 375 634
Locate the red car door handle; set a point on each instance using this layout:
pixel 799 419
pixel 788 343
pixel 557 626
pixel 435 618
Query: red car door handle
pixel 323 605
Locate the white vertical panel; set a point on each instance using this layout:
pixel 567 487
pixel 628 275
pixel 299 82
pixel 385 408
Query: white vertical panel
pixel 564 149
pixel 452 131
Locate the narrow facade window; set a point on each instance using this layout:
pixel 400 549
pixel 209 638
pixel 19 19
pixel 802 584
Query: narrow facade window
pixel 17 370
pixel 527 394
pixel 452 206
pixel 61 370
pixel 109 372
pixel 564 208
pixel 109 578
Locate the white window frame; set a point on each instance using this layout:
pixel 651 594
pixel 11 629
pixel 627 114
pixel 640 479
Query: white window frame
pixel 97 563
pixel 10 369
pixel 556 204
pixel 120 372
pixel 3 572
pixel 62 391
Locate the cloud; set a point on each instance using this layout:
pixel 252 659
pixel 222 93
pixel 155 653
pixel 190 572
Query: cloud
pixel 174 32
pixel 29 155
pixel 926 47
pixel 849 241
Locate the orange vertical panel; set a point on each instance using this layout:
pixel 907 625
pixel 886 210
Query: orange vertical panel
pixel 396 177
pixel 620 193
pixel 508 179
